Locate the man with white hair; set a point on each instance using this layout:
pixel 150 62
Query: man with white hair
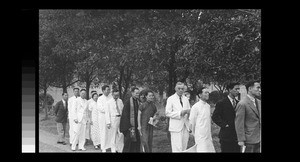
pixel 178 109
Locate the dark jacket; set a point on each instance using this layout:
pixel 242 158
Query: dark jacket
pixel 61 112
pixel 125 118
pixel 224 114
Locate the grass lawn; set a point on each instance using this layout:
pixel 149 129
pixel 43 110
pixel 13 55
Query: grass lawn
pixel 160 140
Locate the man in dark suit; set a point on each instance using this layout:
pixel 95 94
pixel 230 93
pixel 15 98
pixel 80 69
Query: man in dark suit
pixel 224 117
pixel 61 113
pixel 248 118
pixel 129 123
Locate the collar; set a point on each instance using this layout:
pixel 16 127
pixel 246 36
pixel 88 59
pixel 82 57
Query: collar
pixel 251 98
pixel 204 102
pixel 178 95
pixel 231 99
pixel 63 101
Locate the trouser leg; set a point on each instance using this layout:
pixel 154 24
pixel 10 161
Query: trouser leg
pixel 176 141
pixel 71 130
pixel 126 147
pixel 257 148
pixel 185 138
pixel 229 146
pixel 60 132
pixel 76 136
pixel 249 148
pixel 81 137
pixel 65 130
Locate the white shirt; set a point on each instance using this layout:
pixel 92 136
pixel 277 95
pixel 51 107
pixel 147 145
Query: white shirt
pixel 64 102
pixel 231 100
pixel 71 106
pixel 173 111
pixel 80 111
pixel 102 101
pixel 111 109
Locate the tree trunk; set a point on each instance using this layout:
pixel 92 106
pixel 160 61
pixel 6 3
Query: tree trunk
pixel 88 83
pixel 120 81
pixel 127 81
pixel 45 105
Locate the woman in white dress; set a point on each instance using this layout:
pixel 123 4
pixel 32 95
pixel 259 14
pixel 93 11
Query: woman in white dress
pixel 200 120
pixel 95 130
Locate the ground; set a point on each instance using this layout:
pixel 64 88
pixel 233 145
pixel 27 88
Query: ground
pixel 48 137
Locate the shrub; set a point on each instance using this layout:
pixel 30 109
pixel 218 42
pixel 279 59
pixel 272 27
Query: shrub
pixel 50 99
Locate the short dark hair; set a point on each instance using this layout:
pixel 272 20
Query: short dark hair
pixel 82 90
pixel 200 90
pixel 64 93
pixel 231 85
pixel 134 88
pixel 250 84
pixel 94 94
pixel 75 89
pixel 148 91
pixel 100 94
pixel 104 87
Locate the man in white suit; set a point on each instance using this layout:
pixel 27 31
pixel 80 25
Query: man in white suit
pixel 71 107
pixel 80 119
pixel 178 109
pixel 113 112
pixel 101 103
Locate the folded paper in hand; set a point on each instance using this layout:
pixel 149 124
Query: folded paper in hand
pixel 153 121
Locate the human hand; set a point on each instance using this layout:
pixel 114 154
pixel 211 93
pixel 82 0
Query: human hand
pixel 140 130
pixel 108 126
pixel 241 143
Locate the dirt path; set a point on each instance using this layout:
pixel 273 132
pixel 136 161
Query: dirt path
pixel 47 143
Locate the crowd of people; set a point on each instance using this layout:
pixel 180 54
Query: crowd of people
pixel 125 127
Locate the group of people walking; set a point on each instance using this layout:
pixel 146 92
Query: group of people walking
pixel 124 127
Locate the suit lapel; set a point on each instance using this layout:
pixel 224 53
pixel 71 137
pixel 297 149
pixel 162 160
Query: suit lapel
pixel 252 106
pixel 228 102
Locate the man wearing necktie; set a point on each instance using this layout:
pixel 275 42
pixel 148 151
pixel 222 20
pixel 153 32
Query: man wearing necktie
pixel 248 118
pixel 61 113
pixel 177 109
pixel 224 116
pixel 113 110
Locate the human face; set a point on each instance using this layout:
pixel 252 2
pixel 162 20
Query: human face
pixel 76 92
pixel 116 95
pixel 150 96
pixel 255 90
pixel 83 94
pixel 136 93
pixel 95 97
pixel 65 96
pixel 107 91
pixel 205 94
pixel 235 91
pixel 179 89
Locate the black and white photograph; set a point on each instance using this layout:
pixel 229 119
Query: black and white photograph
pixel 149 81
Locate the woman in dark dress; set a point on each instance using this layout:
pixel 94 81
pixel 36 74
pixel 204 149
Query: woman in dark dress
pixel 146 111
